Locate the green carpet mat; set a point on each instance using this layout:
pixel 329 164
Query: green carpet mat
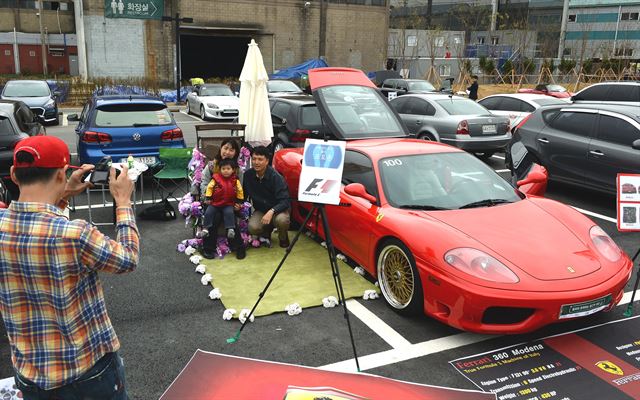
pixel 305 277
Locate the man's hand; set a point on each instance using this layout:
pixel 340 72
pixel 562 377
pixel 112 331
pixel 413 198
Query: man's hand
pixel 237 206
pixel 266 219
pixel 74 183
pixel 121 187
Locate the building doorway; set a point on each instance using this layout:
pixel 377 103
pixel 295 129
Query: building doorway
pixel 212 56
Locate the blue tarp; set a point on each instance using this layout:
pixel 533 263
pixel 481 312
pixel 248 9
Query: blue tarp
pixel 169 96
pixel 297 71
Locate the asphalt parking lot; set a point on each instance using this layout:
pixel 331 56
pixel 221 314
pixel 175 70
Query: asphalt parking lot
pixel 162 314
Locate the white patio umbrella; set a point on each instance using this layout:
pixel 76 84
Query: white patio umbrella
pixel 254 102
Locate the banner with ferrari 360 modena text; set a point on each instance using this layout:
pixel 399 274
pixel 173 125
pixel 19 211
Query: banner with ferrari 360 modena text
pixel 628 201
pixel 601 362
pixel 321 174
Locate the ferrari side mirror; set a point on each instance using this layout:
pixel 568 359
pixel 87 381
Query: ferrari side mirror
pixel 358 190
pixel 535 176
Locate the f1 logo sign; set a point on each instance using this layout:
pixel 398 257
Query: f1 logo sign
pixel 318 186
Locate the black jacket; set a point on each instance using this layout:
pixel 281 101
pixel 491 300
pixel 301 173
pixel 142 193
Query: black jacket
pixel 473 91
pixel 269 192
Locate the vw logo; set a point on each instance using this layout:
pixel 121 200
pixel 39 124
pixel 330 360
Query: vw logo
pixel 136 136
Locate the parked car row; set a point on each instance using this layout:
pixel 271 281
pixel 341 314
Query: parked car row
pixel 435 225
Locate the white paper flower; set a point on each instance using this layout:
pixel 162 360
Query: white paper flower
pixel 195 259
pixel 228 314
pixel 244 313
pixel 293 309
pixel 201 268
pixel 359 270
pixel 377 284
pixel 329 302
pixel 206 278
pixel 341 257
pixel 190 251
pixel 370 295
pixel 215 294
pixel 324 244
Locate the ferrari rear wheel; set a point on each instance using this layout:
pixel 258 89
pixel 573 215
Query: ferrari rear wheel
pixel 399 279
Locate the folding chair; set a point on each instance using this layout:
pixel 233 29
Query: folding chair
pixel 174 170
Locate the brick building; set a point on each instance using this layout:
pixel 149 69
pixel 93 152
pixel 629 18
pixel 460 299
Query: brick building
pixel 288 32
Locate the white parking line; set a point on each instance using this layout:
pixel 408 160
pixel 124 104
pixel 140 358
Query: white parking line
pixel 407 353
pixel 498 157
pixel 65 121
pixel 387 333
pixel 502 170
pixel 596 215
pixel 190 116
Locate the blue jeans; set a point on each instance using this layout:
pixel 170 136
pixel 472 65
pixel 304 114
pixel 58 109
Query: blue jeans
pixel 213 212
pixel 105 380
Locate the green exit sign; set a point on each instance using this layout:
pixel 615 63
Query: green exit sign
pixel 138 9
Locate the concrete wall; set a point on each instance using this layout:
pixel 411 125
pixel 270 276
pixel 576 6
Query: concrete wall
pixel 115 47
pixel 356 35
pixel 26 20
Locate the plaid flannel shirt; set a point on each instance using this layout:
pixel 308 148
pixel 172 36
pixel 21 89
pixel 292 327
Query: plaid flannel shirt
pixel 51 298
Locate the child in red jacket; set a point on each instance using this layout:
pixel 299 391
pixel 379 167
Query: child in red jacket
pixel 223 193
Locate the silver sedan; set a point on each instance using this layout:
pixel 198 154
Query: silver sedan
pixel 454 120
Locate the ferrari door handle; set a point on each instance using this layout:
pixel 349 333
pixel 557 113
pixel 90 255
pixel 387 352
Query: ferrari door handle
pixel 596 153
pixel 543 140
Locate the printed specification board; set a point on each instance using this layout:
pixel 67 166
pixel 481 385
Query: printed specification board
pixel 602 362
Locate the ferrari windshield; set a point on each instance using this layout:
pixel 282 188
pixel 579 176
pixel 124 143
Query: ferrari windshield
pixel 442 181
pixel 216 91
pixel 556 88
pixel 360 112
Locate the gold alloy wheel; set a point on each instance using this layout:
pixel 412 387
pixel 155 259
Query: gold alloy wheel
pixel 396 276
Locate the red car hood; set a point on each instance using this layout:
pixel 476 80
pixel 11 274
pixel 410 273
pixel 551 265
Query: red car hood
pixel 528 237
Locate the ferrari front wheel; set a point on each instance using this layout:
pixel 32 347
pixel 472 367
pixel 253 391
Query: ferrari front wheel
pixel 399 279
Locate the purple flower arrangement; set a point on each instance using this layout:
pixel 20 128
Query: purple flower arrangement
pixel 243 158
pixel 196 166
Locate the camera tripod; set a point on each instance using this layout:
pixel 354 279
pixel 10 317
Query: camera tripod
pixel 316 208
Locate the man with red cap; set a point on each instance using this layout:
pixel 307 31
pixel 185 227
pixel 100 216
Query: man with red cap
pixel 63 345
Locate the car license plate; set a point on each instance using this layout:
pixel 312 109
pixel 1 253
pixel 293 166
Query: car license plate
pixel 586 308
pixel 145 160
pixel 489 129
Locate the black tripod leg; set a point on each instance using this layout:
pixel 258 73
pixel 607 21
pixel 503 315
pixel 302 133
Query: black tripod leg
pixel 336 273
pixel 262 293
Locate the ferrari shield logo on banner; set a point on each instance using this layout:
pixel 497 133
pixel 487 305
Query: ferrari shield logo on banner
pixel 609 367
pixel 321 174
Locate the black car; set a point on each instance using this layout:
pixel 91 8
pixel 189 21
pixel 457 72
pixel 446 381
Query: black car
pixel 294 119
pixel 583 144
pixel 406 86
pixel 37 95
pixel 17 122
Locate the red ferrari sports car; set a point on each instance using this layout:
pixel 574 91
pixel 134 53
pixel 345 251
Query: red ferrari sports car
pixel 446 235
pixel 556 91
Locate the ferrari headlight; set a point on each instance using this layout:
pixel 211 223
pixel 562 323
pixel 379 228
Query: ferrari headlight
pixel 604 244
pixel 481 265
pixel 211 105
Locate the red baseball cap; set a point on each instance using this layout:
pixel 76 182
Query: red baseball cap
pixel 47 152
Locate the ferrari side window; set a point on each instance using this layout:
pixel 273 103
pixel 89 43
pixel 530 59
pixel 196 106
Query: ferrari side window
pixel 358 168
